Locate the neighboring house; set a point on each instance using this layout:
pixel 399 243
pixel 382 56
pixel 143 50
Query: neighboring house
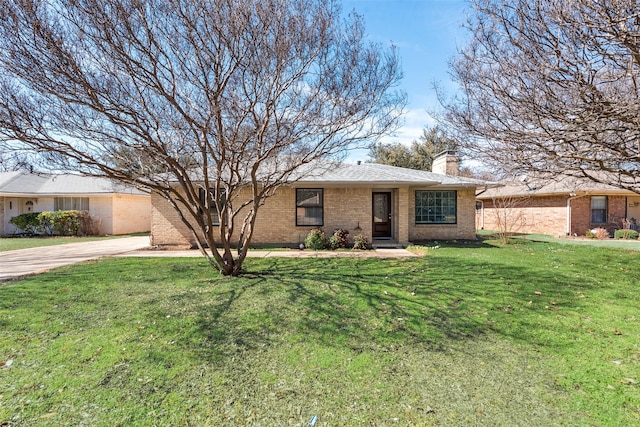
pixel 558 207
pixel 120 209
pixel 380 202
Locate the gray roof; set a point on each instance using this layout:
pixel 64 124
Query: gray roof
pixel 28 184
pixel 550 186
pixel 327 172
pixel 378 174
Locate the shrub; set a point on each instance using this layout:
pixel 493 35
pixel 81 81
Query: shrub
pixel 69 223
pixel 316 240
pixel 626 234
pixel 598 233
pixel 63 223
pixel 361 242
pixel 88 225
pixel 28 222
pixel 338 239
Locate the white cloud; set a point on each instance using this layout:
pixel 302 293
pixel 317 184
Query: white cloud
pixel 414 121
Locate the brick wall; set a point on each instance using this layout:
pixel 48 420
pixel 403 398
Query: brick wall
pixel 344 208
pixel 276 220
pixel 581 214
pixel 166 227
pixel 544 215
pixel 404 221
pixel 548 215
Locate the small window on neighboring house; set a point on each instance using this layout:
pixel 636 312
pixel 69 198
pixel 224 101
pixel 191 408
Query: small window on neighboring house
pixel 309 206
pixel 71 204
pixel 598 209
pixel 436 207
pixel 202 194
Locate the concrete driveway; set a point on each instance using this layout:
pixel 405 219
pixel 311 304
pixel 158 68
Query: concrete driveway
pixel 23 262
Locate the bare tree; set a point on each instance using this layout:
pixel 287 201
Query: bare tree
pixel 551 87
pixel 193 97
pixel 508 215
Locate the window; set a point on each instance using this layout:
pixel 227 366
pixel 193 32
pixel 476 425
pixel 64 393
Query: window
pixel 71 204
pixel 598 209
pixel 436 207
pixel 309 206
pixel 215 217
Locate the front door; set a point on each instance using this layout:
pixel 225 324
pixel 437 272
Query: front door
pixel 381 208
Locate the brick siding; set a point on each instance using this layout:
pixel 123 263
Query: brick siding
pixel 544 215
pixel 548 215
pixel 344 207
pixel 167 229
pixel 581 215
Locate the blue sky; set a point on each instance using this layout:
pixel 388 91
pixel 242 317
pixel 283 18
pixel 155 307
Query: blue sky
pixel 427 34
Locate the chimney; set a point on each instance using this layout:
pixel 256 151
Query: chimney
pixel 446 163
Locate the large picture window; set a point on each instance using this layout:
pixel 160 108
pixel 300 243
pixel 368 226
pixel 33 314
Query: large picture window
pixel 71 204
pixel 309 206
pixel 598 209
pixel 436 207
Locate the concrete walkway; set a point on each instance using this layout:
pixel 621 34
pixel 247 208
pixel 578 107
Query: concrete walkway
pixel 283 253
pixel 24 262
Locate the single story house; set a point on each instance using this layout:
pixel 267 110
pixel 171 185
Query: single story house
pixel 385 203
pixel 120 209
pixel 560 206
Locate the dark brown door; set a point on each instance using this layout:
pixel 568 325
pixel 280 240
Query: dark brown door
pixel 381 209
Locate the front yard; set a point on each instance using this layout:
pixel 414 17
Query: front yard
pixel 530 334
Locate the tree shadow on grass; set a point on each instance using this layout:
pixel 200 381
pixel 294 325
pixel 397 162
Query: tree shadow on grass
pixel 378 305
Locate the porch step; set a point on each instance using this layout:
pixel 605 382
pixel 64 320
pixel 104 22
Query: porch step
pixel 386 244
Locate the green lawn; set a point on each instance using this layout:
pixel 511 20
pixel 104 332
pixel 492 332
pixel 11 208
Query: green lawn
pixel 15 243
pixel 632 245
pixel 530 334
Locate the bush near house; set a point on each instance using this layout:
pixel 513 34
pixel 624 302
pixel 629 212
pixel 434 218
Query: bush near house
pixel 29 223
pixel 598 233
pixel 62 223
pixel 315 240
pixel 338 239
pixel 361 242
pixel 626 234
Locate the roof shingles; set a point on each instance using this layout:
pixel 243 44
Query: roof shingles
pixel 21 183
pixel 373 173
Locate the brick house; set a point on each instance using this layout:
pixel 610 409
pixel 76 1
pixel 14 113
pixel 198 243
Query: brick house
pixel 120 209
pixel 381 202
pixel 557 207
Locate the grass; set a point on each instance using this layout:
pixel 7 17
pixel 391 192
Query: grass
pixel 529 334
pixel 15 243
pixel 631 245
